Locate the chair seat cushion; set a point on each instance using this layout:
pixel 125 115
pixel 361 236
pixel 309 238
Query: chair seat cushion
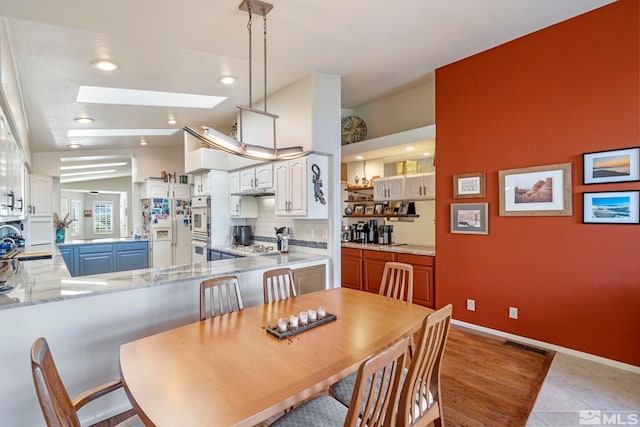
pixel 321 411
pixel 343 390
pixel 134 421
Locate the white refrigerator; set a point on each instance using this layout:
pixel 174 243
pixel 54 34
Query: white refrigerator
pixel 168 226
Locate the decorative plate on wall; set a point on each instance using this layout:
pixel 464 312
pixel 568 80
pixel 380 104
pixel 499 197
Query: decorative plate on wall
pixel 354 129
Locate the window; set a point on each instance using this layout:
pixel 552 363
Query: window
pixel 103 217
pixel 75 217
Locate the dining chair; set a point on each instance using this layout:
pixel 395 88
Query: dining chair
pixel 278 285
pixel 426 357
pixel 420 398
pixel 224 296
pixel 371 406
pixel 397 281
pixel 57 407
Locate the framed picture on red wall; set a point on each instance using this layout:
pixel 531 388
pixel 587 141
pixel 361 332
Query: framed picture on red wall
pixel 620 165
pixel 470 218
pixel 536 191
pixel 611 207
pixel 468 185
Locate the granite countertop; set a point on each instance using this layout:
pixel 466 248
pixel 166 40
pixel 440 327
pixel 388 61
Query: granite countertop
pixel 48 280
pixel 398 248
pixel 105 240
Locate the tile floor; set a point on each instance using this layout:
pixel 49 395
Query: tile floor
pixel 579 392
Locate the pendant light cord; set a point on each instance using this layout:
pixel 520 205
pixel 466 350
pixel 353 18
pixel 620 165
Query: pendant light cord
pixel 250 78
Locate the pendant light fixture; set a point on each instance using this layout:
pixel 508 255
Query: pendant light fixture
pixel 214 139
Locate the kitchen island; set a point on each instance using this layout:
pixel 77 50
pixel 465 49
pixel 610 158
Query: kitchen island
pixel 87 318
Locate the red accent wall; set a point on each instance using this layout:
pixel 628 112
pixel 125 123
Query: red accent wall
pixel 543 99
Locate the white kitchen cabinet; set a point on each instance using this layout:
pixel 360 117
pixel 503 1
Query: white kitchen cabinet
pixel 259 178
pixel 420 187
pixel 240 206
pixel 39 229
pixel 155 190
pixel 301 187
pixel 202 184
pixel 180 191
pixel 41 196
pixel 11 175
pixel 391 188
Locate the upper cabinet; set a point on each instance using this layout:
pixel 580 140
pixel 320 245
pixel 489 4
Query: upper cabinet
pixel 155 190
pixel 202 184
pixel 41 196
pixel 420 186
pixel 240 206
pixel 11 175
pixel 301 187
pixel 258 179
pixel 391 188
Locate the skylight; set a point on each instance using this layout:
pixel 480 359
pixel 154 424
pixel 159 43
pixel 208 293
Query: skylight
pixel 108 95
pixel 77 133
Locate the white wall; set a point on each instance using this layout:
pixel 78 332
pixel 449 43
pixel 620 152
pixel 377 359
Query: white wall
pixel 410 109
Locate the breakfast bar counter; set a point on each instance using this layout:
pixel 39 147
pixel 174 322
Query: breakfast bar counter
pixel 85 319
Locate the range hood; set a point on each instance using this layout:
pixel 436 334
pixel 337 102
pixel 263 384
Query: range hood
pixel 256 193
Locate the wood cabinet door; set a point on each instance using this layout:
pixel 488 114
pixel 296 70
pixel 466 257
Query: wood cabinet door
pixel 373 267
pixel 423 286
pixel 351 272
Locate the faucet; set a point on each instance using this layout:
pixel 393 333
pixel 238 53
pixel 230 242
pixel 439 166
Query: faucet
pixel 12 227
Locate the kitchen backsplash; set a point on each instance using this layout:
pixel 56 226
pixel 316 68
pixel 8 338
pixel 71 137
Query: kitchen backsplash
pixel 307 235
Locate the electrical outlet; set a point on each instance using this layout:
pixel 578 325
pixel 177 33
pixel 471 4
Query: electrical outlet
pixel 471 305
pixel 513 312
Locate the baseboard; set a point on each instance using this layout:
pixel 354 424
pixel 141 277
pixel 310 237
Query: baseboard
pixel 557 348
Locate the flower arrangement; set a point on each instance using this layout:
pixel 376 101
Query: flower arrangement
pixel 61 224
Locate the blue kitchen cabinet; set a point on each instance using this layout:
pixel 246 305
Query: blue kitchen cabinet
pixel 69 256
pixel 92 258
pixel 131 256
pixel 95 259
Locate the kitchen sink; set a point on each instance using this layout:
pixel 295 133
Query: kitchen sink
pixel 8 269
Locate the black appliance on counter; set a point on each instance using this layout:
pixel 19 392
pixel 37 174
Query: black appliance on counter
pixel 242 235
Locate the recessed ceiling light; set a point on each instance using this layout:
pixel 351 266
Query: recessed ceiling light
pixel 227 80
pixel 104 65
pixel 95 165
pixel 172 121
pixel 84 120
pixel 143 141
pixel 109 95
pixel 409 148
pixel 427 154
pixel 358 157
pixel 74 145
pixel 78 133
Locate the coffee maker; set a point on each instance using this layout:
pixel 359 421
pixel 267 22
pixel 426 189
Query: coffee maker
pixel 242 235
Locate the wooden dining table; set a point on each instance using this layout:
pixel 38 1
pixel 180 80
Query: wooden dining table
pixel 229 371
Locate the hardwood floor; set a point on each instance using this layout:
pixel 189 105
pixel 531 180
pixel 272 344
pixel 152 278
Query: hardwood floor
pixel 486 382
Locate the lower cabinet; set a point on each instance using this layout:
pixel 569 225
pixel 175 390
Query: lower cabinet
pixel 363 270
pixel 351 268
pixel 309 279
pixel 217 256
pixel 373 266
pixel 82 260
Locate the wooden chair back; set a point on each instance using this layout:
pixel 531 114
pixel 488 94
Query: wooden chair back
pixel 54 400
pixel 397 281
pixel 278 285
pixel 420 402
pixel 377 389
pixel 224 296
